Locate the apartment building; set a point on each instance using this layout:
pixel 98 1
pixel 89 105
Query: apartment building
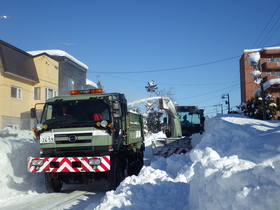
pixel 30 78
pixel 270 68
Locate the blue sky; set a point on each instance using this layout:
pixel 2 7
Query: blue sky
pixel 192 47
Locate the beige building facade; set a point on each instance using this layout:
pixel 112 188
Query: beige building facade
pixel 30 78
pixel 24 81
pixel 47 69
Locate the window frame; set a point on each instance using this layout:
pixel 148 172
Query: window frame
pixel 18 93
pixel 35 90
pixel 47 91
pixel 70 84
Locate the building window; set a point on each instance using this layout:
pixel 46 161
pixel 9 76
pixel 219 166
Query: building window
pixel 49 93
pixel 256 66
pixel 273 74
pixel 70 84
pixel 37 93
pixel 272 60
pixel 16 92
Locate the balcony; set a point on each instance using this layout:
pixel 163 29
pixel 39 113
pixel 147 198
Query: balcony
pixel 266 78
pixel 268 66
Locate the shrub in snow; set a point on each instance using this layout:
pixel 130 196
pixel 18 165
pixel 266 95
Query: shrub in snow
pixel 254 109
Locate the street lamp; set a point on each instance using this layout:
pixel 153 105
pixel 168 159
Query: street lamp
pixel 254 59
pixel 227 102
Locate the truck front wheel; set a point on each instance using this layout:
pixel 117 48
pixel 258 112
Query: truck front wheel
pixel 52 184
pixel 115 175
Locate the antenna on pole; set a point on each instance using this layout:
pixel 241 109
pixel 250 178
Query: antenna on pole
pixel 66 45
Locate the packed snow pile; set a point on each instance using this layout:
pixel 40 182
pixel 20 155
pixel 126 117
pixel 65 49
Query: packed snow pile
pixel 235 164
pixel 15 148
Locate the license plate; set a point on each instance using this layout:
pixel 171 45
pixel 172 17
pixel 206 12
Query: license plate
pixel 46 139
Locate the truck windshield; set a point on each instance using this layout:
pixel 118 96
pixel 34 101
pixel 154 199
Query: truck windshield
pixel 78 112
pixel 188 116
pixel 192 118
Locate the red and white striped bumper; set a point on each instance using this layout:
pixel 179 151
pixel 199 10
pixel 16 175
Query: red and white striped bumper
pixel 69 164
pixel 167 151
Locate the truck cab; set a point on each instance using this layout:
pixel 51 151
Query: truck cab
pixel 89 131
pixel 191 118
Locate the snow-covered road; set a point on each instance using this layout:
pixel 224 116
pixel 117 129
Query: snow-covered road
pixel 75 197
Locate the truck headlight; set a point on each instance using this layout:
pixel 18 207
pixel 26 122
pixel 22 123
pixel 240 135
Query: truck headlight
pixel 104 123
pixel 40 127
pixel 94 161
pixel 37 162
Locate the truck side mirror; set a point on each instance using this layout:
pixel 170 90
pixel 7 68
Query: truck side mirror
pixel 116 105
pixel 116 109
pixel 165 120
pixel 33 113
pixel 116 113
pixel 202 119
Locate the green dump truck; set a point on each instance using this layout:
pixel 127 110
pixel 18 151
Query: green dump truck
pixel 87 136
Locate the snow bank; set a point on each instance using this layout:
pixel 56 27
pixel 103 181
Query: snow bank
pixel 15 148
pixel 235 165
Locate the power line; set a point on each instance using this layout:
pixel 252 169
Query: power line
pixel 197 102
pixel 266 26
pixel 203 94
pixel 173 84
pixel 170 69
pixel 272 33
pixel 161 70
pixel 269 33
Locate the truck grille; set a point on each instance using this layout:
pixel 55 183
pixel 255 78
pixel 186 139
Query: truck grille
pixel 73 138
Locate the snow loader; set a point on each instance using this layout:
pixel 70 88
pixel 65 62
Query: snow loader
pixel 183 121
pixel 96 138
pixel 191 118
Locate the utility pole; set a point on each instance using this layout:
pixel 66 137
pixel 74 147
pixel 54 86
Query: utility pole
pixel 227 102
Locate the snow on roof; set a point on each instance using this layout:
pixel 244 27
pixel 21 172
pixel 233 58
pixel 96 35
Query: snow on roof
pixel 267 85
pixel 59 53
pixel 91 83
pixel 262 49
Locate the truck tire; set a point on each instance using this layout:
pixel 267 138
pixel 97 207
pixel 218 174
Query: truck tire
pixel 115 175
pixel 139 162
pixel 52 184
pixel 135 163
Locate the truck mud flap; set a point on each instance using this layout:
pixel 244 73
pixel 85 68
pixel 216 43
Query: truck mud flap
pixel 69 164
